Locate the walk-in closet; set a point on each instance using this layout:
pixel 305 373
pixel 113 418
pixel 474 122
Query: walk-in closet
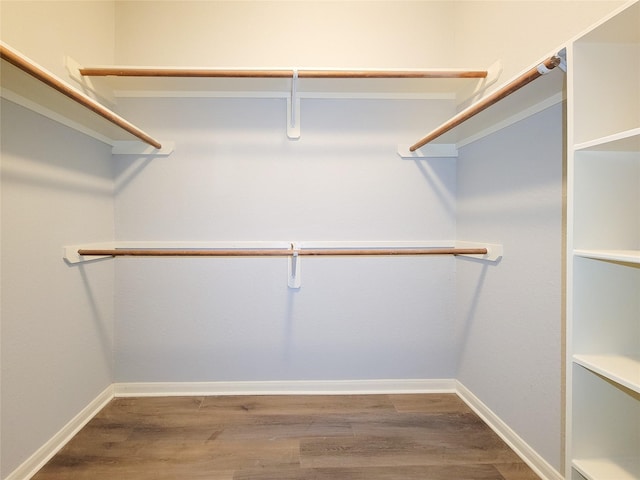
pixel 326 232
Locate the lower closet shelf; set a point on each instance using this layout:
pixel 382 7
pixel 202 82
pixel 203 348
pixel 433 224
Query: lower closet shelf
pixel 622 468
pixel 622 369
pixel 630 256
pixel 293 251
pixel 87 252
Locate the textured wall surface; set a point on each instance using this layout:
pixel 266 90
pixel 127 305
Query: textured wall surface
pixel 235 177
pixel 510 316
pixel 57 320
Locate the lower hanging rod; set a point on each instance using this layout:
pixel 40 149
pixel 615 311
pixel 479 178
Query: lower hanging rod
pixel 276 252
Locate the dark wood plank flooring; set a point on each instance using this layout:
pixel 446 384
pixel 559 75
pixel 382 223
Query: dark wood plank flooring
pixel 372 437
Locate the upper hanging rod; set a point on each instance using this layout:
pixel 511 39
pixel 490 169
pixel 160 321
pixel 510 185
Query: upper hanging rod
pixel 278 73
pixel 527 77
pixel 276 252
pixel 24 64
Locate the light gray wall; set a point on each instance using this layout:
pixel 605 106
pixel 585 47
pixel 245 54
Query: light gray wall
pixel 57 320
pixel 234 176
pixel 510 315
pixel 56 326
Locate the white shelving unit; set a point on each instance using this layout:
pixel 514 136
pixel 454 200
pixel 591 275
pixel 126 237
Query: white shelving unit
pixel 603 272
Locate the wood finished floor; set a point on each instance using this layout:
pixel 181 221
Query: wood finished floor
pixel 363 437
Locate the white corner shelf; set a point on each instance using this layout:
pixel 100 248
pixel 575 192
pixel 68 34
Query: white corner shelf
pixel 529 92
pixel 30 85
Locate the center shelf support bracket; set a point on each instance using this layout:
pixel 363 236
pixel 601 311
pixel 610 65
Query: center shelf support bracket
pixel 294 267
pixel 293 109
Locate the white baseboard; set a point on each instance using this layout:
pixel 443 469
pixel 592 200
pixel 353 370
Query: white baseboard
pixel 311 387
pixel 511 438
pixel 315 387
pixel 36 461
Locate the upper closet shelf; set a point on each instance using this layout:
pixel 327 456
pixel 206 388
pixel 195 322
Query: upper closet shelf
pixel 291 84
pixel 507 104
pixel 132 81
pixel 30 85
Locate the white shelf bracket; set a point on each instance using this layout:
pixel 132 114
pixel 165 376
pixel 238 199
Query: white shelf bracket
pixel 494 250
pixel 90 86
pixel 135 147
pixel 562 54
pixel 71 256
pixel 493 74
pixel 431 150
pixel 294 268
pixel 293 109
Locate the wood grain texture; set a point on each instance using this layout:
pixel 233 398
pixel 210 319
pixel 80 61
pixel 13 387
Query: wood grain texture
pixel 275 252
pixel 318 437
pixel 279 73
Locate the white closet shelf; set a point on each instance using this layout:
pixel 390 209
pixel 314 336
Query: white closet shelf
pixel 86 252
pixel 168 81
pixel 293 251
pixel 26 83
pixel 622 369
pixel 291 84
pixel 627 256
pixel 623 468
pixel 627 141
pixel 506 105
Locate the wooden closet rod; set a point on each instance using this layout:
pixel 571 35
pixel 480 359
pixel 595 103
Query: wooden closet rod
pixel 285 73
pixel 13 57
pixel 527 77
pixel 277 252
